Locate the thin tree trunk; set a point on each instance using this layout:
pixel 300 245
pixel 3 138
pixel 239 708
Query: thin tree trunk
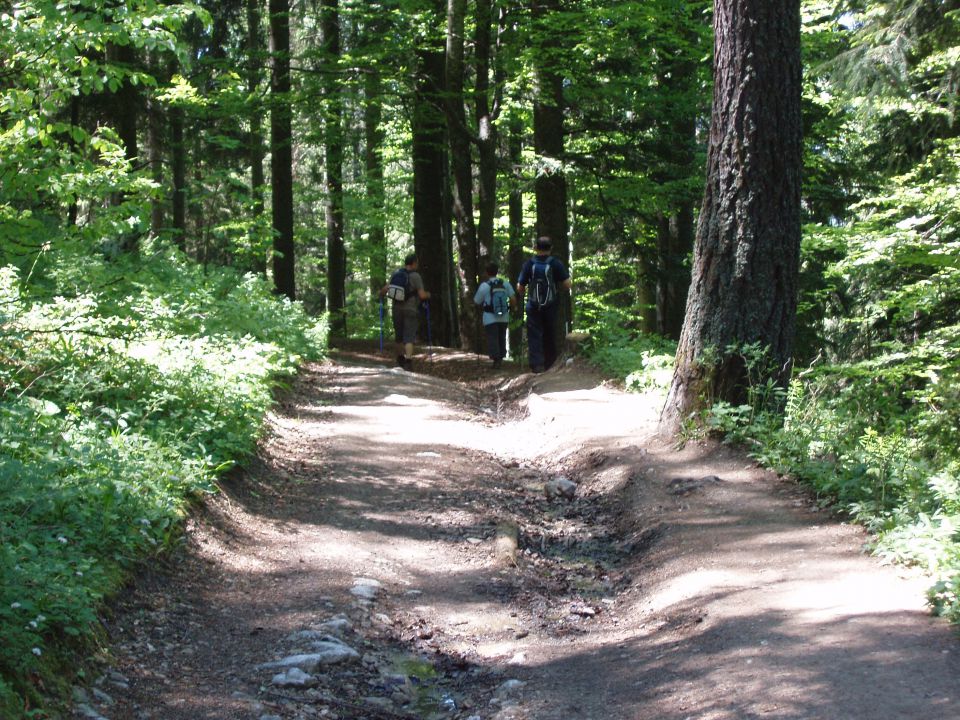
pixel 373 164
pixel 73 209
pixel 486 131
pixel 515 252
pixel 281 150
pixel 125 107
pixel 179 176
pixel 746 259
pixel 675 233
pixel 333 169
pixel 255 139
pixel 155 138
pixel 460 153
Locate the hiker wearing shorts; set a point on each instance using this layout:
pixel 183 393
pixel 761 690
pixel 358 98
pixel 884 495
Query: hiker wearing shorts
pixel 405 313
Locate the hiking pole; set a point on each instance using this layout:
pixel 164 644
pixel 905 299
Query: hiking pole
pixel 381 326
pixel 426 306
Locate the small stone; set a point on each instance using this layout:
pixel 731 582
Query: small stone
pixel 366 588
pixel 509 688
pixel 294 677
pixel 560 487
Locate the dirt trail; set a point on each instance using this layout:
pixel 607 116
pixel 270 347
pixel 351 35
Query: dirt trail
pixel 674 585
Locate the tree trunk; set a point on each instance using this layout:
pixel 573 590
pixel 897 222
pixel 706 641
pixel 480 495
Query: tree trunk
pixel 373 165
pixel 431 242
pixel 178 151
pixel 744 282
pixel 255 139
pixel 675 233
pixel 460 153
pixel 155 127
pixel 125 108
pixel 281 150
pixel 486 131
pixel 333 170
pixel 515 254
pixel 548 140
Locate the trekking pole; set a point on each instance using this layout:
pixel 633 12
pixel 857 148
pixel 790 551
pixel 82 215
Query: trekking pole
pixel 426 305
pixel 381 326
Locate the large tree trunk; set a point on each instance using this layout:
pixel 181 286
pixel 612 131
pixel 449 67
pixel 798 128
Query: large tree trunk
pixel 333 170
pixel 255 140
pixel 746 259
pixel 431 242
pixel 548 140
pixel 281 150
pixel 460 147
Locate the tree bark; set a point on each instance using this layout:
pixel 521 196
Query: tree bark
pixel 178 151
pixel 746 258
pixel 281 150
pixel 431 239
pixel 460 153
pixel 486 130
pixel 550 185
pixel 255 139
pixel 515 254
pixel 333 170
pixel 373 165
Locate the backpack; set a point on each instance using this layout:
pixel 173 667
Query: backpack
pixel 499 303
pixel 543 290
pixel 399 288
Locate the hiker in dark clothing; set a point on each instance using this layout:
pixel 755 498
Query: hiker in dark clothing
pixel 543 276
pixel 405 288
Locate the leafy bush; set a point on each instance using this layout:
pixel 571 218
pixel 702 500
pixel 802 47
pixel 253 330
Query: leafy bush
pixel 120 400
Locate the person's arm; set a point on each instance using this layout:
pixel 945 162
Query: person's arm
pixel 423 294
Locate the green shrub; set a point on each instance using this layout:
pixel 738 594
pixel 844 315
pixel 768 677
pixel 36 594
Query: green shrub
pixel 120 401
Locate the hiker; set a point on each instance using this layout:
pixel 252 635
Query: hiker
pixel 543 275
pixel 495 295
pixel 405 288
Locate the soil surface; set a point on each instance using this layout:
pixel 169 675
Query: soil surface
pixel 406 535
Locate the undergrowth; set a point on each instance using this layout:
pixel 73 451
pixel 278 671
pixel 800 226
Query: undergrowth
pixel 125 387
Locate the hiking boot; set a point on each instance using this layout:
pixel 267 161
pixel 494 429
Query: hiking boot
pixel 497 364
pixel 401 361
pixel 408 364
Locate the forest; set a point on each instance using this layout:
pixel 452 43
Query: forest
pixel 195 198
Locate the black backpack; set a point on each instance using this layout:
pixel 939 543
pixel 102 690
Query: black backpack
pixel 399 288
pixel 499 303
pixel 543 290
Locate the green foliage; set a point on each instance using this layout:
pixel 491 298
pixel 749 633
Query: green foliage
pixel 606 314
pixel 118 404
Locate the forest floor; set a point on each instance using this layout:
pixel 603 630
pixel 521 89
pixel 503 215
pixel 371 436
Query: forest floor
pixel 394 531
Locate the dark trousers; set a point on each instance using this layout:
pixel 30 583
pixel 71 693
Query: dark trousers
pixel 496 340
pixel 541 336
